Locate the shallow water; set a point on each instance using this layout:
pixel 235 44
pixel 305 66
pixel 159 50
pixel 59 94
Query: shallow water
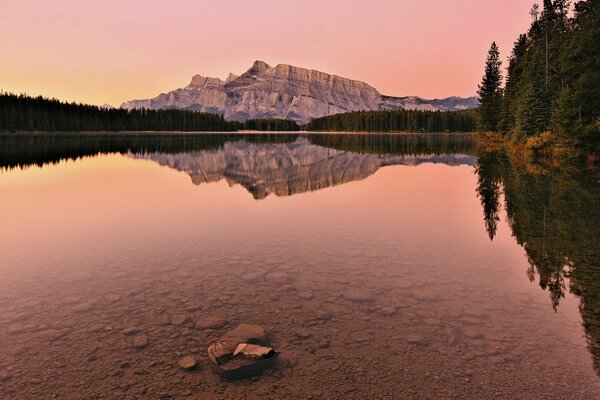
pixel 381 266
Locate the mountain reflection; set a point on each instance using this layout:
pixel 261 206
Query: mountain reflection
pixel 553 213
pixel 288 168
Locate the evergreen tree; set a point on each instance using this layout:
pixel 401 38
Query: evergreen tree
pixel 490 92
pixel 552 78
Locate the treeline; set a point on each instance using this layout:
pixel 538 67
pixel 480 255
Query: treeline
pixel 263 124
pixel 552 90
pixel 397 121
pixel 25 113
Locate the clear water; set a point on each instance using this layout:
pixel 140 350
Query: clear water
pixel 381 267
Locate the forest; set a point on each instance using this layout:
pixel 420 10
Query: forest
pixel 397 121
pixel 550 98
pixel 26 113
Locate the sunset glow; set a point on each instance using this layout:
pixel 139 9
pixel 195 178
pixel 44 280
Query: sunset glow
pixel 113 51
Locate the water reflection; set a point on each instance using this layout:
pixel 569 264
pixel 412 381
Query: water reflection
pixel 554 214
pixel 288 168
pixel 394 276
pixel 28 149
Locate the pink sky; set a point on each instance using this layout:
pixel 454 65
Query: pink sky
pixel 111 51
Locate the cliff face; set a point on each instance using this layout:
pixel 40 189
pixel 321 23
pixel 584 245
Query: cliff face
pixel 286 92
pixel 287 168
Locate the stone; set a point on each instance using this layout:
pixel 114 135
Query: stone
pixel 132 330
pixel 179 319
pixel 424 295
pixel 140 341
pixel 188 363
pixel 302 333
pixel 253 351
pixel 472 333
pixel 112 297
pixel 323 316
pixel 416 339
pixel 211 323
pixel 306 295
pixel 5 376
pixel 387 311
pixel 241 353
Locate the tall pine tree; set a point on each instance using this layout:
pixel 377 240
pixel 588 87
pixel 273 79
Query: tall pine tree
pixel 490 92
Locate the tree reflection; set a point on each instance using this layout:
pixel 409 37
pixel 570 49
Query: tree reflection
pixel 554 213
pixel 489 189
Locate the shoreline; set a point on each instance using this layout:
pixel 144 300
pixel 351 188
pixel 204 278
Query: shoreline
pixel 553 154
pixel 191 133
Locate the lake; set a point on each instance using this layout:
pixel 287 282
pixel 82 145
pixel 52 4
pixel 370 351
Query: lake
pixel 380 267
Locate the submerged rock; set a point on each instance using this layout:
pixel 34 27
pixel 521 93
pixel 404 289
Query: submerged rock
pixel 188 363
pixel 241 352
pixel 253 351
pixel 179 319
pixel 140 341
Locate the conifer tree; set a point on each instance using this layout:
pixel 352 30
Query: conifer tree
pixel 490 92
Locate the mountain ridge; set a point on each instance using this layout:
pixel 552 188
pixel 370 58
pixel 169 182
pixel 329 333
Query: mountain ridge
pixel 288 92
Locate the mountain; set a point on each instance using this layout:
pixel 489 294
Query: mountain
pixel 287 92
pixel 286 169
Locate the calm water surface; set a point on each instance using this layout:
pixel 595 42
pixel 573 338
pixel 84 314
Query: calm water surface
pixel 381 267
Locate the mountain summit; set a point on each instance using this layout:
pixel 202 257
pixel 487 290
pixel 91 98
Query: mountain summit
pixel 287 92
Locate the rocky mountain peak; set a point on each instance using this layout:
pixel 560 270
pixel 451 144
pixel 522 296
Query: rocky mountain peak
pixel 259 67
pixel 231 77
pixel 287 92
pixel 199 80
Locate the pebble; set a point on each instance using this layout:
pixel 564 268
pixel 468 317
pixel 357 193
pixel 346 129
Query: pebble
pixel 5 376
pixel 140 341
pixel 387 311
pixel 131 331
pixel 306 295
pixel 415 338
pixel 179 319
pixel 112 297
pixel 302 333
pixel 472 333
pixel 323 316
pixel 188 363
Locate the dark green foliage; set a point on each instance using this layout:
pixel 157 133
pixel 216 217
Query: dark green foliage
pixel 24 113
pixel 271 125
pixel 553 77
pixel 490 92
pixel 396 121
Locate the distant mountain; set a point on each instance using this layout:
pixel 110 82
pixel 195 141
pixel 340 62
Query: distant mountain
pixel 286 169
pixel 287 92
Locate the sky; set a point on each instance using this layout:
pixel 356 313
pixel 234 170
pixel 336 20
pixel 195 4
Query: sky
pixel 111 51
